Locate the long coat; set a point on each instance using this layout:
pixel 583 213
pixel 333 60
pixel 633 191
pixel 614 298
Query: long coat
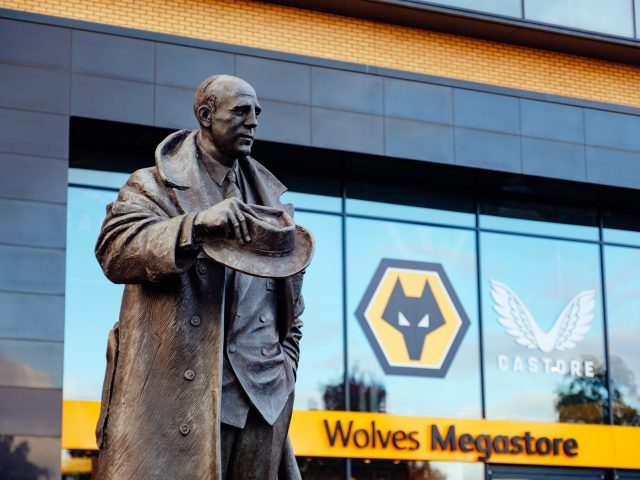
pixel 158 420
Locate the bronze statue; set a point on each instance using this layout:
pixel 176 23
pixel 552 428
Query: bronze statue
pixel 201 365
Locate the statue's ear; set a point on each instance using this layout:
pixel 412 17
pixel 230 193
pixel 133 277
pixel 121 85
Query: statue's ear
pixel 204 115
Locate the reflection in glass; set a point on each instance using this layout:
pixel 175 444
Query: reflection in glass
pixel 458 393
pixel 539 219
pixel 621 228
pixel 311 201
pixel 369 469
pixel 622 284
pixel 509 8
pixel 542 329
pixel 92 302
pixel 30 364
pixel 410 213
pixel 321 349
pixel 29 458
pixel 613 17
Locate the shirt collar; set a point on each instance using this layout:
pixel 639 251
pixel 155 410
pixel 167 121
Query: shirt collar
pixel 216 170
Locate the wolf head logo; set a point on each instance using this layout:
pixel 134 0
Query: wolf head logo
pixel 414 317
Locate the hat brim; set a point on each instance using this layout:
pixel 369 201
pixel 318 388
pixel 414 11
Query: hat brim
pixel 231 254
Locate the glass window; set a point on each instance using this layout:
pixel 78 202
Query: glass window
pixel 311 201
pixel 621 228
pixel 542 329
pixel 92 302
pixel 427 338
pixel 29 457
pixel 623 318
pixel 409 213
pixel 509 8
pixel 321 370
pixel 539 219
pixel 415 470
pixel 613 17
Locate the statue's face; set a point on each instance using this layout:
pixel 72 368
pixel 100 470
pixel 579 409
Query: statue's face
pixel 234 122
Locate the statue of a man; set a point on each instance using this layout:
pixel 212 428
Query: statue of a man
pixel 202 362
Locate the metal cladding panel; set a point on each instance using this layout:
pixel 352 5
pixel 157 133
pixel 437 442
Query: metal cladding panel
pixel 551 158
pixel 418 101
pixel 32 270
pixel 35 44
pixel 173 107
pixel 276 80
pixel 34 88
pixel 617 168
pixel 34 133
pixel 552 121
pixel 416 140
pixel 486 111
pixel 342 90
pixel 34 224
pixel 187 67
pixel 490 150
pixel 284 122
pixel 33 178
pixel 352 132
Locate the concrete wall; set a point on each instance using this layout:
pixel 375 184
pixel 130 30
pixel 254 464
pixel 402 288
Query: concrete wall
pixel 49 73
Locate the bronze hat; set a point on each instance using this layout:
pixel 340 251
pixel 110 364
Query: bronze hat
pixel 278 248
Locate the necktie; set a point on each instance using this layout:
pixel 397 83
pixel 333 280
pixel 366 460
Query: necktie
pixel 232 190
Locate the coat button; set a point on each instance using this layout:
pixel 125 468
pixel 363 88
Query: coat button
pixel 185 429
pixel 195 321
pixel 189 375
pixel 263 318
pixel 232 348
pixel 202 268
pixel 265 351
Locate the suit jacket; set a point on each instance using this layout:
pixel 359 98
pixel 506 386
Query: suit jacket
pixel 160 410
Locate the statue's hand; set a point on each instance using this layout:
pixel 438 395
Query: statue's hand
pixel 224 218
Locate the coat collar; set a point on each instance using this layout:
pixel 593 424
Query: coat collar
pixel 177 163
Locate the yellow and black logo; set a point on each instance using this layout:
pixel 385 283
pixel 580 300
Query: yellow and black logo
pixel 413 318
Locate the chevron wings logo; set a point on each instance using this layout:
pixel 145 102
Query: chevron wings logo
pixel 412 318
pixel 569 328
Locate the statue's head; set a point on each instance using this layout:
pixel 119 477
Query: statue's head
pixel 227 110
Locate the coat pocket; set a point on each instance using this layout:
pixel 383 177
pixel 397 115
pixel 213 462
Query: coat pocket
pixel 107 386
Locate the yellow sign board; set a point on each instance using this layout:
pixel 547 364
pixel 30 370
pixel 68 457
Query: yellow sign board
pixel 378 435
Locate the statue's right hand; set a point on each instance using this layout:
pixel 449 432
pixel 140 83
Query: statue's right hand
pixel 224 218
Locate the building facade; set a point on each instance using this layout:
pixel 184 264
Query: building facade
pixel 470 171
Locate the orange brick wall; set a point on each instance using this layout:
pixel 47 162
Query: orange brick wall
pixel 255 24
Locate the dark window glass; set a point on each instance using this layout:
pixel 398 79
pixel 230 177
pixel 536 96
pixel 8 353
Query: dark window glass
pixel 623 319
pixel 509 8
pixel 458 392
pixel 318 468
pixel 612 17
pixel 88 294
pixel 311 201
pixel 415 470
pixel 321 370
pixel 542 329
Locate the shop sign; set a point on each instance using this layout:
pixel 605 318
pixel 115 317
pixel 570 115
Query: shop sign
pixel 567 331
pixel 412 318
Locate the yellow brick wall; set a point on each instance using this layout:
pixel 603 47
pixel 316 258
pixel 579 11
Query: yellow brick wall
pixel 255 24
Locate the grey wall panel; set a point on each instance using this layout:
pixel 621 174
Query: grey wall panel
pixel 112 99
pixel 353 132
pixel 553 121
pixel 554 159
pixel 31 133
pixel 614 130
pixel 490 150
pixel 179 66
pixel 42 456
pixel 274 80
pixel 30 316
pixel 418 140
pixel 31 364
pixel 35 44
pixel 34 88
pixel 173 107
pixel 486 111
pixel 357 92
pixel 32 270
pixel 33 178
pixel 284 122
pixel 30 411
pixel 34 224
pixel 613 167
pixel 113 56
pixel 418 101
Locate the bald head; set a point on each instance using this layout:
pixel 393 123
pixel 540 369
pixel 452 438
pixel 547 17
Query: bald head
pixel 210 92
